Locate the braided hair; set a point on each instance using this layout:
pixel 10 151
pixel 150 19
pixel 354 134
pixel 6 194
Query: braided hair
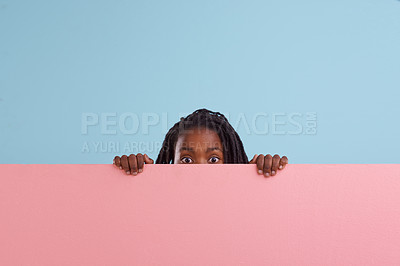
pixel 233 149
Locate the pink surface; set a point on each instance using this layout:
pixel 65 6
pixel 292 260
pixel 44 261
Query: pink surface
pixel 199 215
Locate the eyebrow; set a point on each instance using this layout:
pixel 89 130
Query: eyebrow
pixel 186 149
pixel 191 149
pixel 213 148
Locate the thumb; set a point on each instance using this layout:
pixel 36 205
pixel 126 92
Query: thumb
pixel 147 159
pixel 254 159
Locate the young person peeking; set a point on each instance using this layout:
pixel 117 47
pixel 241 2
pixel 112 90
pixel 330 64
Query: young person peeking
pixel 203 137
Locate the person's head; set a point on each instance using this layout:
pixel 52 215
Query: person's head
pixel 202 137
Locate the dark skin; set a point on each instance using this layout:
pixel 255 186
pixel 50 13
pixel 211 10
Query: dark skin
pixel 200 146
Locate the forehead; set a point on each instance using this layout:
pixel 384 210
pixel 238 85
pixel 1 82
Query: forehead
pixel 202 135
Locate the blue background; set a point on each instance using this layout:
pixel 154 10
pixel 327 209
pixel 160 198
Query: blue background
pixel 338 59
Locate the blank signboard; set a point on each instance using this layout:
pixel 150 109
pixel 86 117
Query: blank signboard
pixel 199 215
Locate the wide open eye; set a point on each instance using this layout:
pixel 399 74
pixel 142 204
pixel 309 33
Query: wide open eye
pixel 186 160
pixel 214 159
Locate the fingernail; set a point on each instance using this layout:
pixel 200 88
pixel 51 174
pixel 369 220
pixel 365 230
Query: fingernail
pixel 266 174
pixel 273 172
pixel 120 167
pixel 280 166
pixel 140 170
pixel 127 172
pixel 134 173
pixel 259 171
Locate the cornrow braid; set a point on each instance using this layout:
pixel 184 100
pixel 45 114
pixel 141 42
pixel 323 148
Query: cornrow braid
pixel 232 145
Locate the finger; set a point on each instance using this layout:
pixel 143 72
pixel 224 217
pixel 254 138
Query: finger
pixel 124 163
pixel 133 164
pixel 260 163
pixel 283 162
pixel 275 164
pixel 117 162
pixel 267 164
pixel 254 159
pixel 140 162
pixel 147 159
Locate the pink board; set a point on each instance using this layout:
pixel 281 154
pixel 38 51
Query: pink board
pixel 199 215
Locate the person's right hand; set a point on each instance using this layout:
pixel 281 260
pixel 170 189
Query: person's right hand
pixel 132 164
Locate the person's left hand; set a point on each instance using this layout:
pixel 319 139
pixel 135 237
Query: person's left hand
pixel 269 165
